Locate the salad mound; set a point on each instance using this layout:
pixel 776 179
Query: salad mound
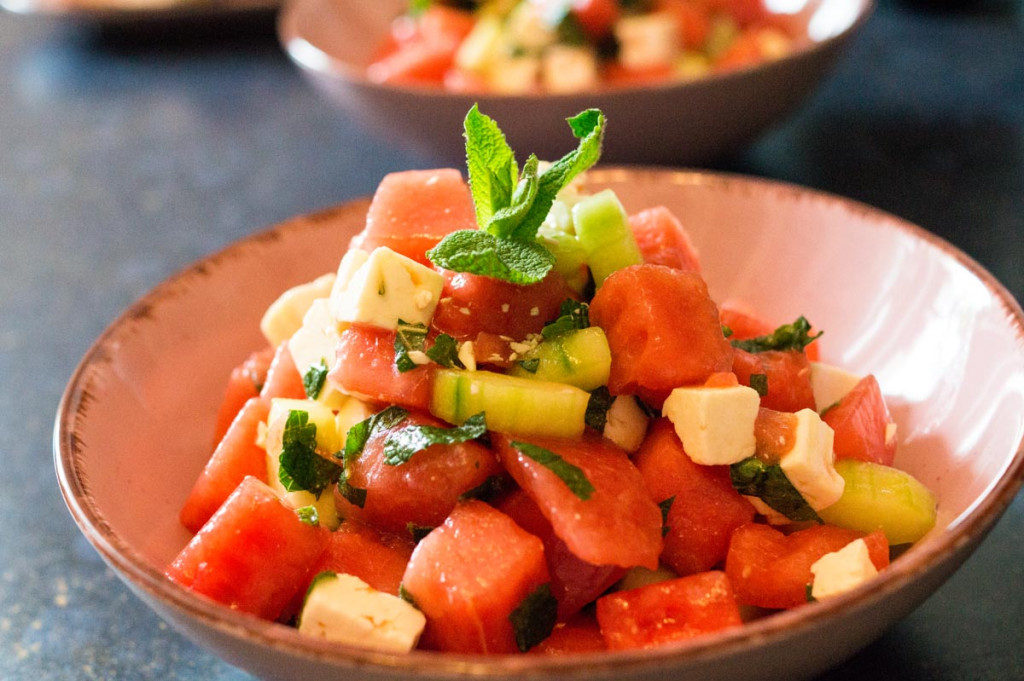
pixel 515 420
pixel 566 46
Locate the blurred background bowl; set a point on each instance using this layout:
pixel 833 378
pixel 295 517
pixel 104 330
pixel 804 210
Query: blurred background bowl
pixel 677 123
pixel 944 339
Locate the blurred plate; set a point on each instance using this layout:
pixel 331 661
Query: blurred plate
pixel 118 11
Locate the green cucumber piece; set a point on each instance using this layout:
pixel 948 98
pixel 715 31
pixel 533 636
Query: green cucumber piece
pixel 877 496
pixel 602 228
pixel 580 358
pixel 513 405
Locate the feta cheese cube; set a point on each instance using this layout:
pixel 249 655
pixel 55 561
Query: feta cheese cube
pixel 345 609
pixel 830 384
pixel 715 424
pixel 382 287
pixel 626 423
pixel 810 464
pixel 842 570
pixel 648 40
pixel 284 316
pixel 569 69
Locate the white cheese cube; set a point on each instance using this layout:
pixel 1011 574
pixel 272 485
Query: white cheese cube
pixel 284 316
pixel 569 69
pixel 513 75
pixel 830 384
pixel 809 465
pixel 626 423
pixel 479 47
pixel 648 40
pixel 526 28
pixel 315 344
pixel 715 425
pixel 344 609
pixel 842 570
pixel 381 287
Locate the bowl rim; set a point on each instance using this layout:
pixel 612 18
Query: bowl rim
pixel 316 59
pixel 933 553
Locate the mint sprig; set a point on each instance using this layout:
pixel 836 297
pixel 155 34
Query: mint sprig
pixel 302 468
pixel 511 205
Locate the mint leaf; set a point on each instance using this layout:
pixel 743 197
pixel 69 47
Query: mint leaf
pixel 309 515
pixel 493 171
pixel 445 351
pixel 359 434
pixel 795 336
pixel 314 379
pixel 534 619
pixel 598 405
pixel 530 365
pixel 759 382
pixel 408 338
pixel 403 443
pixel 506 220
pixel 768 482
pixel 478 252
pixel 573 315
pixel 302 468
pixel 573 477
pixel 665 507
pixel 353 495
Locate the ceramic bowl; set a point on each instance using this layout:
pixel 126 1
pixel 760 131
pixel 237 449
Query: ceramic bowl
pixel 943 337
pixel 674 123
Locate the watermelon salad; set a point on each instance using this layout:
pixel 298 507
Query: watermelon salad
pixel 567 46
pixel 515 421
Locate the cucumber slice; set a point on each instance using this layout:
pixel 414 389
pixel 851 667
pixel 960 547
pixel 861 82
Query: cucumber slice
pixel 518 406
pixel 602 228
pixel 580 358
pixel 877 496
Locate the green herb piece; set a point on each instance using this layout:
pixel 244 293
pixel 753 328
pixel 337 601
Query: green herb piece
pixel 534 619
pixel 573 477
pixel 418 532
pixel 488 489
pixel 353 495
pixel 510 206
pixel 665 507
pixel 600 402
pixel 359 434
pixel 445 351
pixel 302 468
pixel 402 444
pixel 759 382
pixel 769 483
pixel 314 379
pixel 309 515
pixel 573 315
pixel 408 338
pixel 530 365
pixel 727 331
pixel 795 336
pixel 809 592
pixel 404 594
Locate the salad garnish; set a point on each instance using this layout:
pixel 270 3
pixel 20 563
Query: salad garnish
pixel 302 468
pixel 573 477
pixel 402 444
pixel 795 336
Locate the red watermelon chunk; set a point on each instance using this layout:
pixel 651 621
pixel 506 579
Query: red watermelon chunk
pixel 861 421
pixel 618 524
pixel 663 240
pixel 366 367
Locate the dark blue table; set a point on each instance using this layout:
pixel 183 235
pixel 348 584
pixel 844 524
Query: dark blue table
pixel 125 156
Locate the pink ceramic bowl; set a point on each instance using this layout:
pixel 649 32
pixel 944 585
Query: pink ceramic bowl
pixel 673 123
pixel 945 340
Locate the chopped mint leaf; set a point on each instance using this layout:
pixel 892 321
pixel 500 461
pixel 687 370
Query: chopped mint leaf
pixel 308 515
pixel 530 365
pixel 359 434
pixel 408 338
pixel 404 594
pixel 573 315
pixel 475 251
pixel 534 619
pixel 600 402
pixel 727 331
pixel 573 477
pixel 445 351
pixel 809 592
pixel 402 444
pixel 795 336
pixel 302 468
pixel 759 382
pixel 769 483
pixel 353 495
pixel 314 378
pixel 665 507
pixel 418 532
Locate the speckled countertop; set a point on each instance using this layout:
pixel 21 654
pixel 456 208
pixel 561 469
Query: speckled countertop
pixel 123 157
